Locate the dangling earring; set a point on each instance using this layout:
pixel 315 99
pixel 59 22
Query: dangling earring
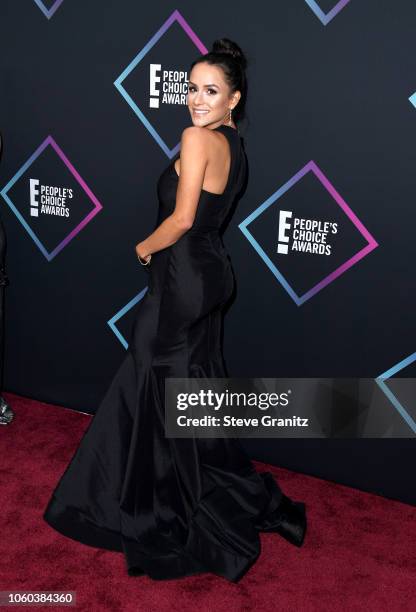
pixel 229 121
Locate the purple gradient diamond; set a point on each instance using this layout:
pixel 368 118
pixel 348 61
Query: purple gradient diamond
pixel 49 141
pixel 174 17
pixel 325 18
pixel 311 166
pixel 51 11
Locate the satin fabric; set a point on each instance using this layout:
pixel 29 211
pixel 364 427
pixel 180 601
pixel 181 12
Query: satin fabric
pixel 173 507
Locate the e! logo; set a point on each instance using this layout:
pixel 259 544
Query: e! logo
pixel 284 215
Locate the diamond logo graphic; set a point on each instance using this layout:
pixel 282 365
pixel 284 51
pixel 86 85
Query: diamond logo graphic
pixel 310 167
pixel 49 12
pixel 325 18
pixel 381 381
pixel 175 17
pixel 112 322
pixel 46 147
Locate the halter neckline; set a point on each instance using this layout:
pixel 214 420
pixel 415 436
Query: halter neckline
pixel 225 125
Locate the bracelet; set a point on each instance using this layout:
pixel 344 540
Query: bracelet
pixel 143 260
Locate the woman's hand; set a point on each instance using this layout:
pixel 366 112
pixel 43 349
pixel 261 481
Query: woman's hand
pixel 141 252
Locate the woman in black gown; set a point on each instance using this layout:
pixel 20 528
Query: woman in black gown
pixel 176 507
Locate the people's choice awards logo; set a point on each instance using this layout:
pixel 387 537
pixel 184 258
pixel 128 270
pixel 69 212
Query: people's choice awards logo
pixel 48 200
pixel 155 89
pixel 304 235
pixel 305 240
pixel 53 211
pixel 167 86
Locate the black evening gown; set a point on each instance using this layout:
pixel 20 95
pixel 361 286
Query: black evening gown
pixel 173 507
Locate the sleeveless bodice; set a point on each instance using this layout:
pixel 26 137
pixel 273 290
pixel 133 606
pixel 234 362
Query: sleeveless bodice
pixel 212 207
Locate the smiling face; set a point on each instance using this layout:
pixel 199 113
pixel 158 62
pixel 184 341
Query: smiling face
pixel 209 96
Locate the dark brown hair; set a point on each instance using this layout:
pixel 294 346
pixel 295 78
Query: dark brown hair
pixel 228 55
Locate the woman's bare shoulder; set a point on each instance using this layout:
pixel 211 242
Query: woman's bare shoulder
pixel 196 134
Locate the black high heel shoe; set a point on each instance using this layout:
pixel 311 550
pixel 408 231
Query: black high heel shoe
pixel 292 525
pixel 288 518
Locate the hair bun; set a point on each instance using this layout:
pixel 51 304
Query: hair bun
pixel 225 46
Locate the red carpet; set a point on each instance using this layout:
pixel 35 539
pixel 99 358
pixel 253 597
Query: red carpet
pixel 359 552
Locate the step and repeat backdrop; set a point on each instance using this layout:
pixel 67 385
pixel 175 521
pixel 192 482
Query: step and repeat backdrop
pixel 92 106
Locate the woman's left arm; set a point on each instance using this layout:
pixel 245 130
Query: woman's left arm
pixel 193 164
